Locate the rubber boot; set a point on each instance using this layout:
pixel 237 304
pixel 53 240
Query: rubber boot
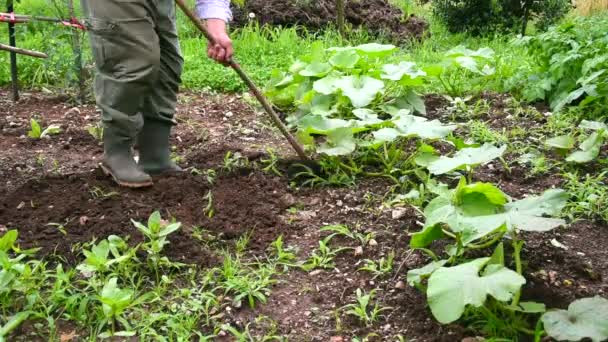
pixel 154 149
pixel 118 161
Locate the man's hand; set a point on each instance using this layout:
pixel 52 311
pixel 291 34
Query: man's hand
pixel 221 49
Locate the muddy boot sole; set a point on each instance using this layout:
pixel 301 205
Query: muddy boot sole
pixel 108 172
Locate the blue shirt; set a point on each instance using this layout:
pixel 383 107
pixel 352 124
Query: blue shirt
pixel 214 9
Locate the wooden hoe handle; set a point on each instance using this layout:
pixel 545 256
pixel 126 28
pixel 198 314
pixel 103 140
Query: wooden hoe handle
pixel 256 91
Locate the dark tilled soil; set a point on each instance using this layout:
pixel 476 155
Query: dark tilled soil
pixel 65 187
pixel 241 203
pixel 378 16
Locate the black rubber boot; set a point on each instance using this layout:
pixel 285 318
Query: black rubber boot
pixel 119 163
pixel 154 149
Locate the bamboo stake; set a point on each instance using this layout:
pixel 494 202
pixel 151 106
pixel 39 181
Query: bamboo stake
pixel 23 51
pixel 77 50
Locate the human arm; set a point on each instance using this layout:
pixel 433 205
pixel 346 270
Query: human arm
pixel 217 14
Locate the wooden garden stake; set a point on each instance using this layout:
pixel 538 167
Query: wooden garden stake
pixel 340 15
pixel 77 50
pixel 12 42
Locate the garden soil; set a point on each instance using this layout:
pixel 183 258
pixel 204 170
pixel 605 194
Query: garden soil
pixel 53 193
pixel 378 16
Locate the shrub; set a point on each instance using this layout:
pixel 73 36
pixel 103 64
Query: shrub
pixel 569 66
pixel 484 16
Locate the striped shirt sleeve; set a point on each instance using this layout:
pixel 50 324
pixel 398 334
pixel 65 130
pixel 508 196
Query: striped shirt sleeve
pixel 214 9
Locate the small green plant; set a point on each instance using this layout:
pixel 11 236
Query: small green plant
pixel 99 193
pixel 322 257
pixel 251 284
pixel 363 310
pixel 588 195
pixel 156 233
pixel 96 131
pixel 467 159
pixel 270 164
pixel 282 255
pixel 209 209
pixel 36 131
pixel 342 230
pixel 115 301
pixel 381 267
pixel 481 133
pixel 234 161
pixel 98 259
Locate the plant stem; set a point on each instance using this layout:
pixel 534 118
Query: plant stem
pixel 488 243
pixel 517 246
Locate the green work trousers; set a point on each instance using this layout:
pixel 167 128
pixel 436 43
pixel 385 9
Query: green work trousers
pixel 138 59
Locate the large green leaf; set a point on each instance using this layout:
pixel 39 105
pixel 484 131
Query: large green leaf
pixel 367 116
pixel 588 150
pixel 562 142
pixel 415 276
pixel 316 124
pixel 451 289
pixel 467 157
pixel 593 125
pixel 323 105
pixel 410 125
pixel 316 69
pixel 361 90
pixel 327 85
pixel 375 49
pixel 339 142
pixel 386 134
pixel 397 72
pixel 346 59
pixel 477 210
pixel 585 318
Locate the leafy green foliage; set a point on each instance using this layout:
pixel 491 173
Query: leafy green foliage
pixel 585 318
pixel 484 16
pixel 451 289
pixel 340 94
pixel 570 66
pixel 463 70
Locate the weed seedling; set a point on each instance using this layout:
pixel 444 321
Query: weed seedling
pixel 362 309
pixel 282 255
pixel 209 210
pixel 156 232
pixel 115 301
pixel 342 230
pixel 36 131
pixel 323 257
pixel 96 131
pixel 381 267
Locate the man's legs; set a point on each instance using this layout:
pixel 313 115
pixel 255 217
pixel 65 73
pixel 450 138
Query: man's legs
pixel 127 54
pixel 159 104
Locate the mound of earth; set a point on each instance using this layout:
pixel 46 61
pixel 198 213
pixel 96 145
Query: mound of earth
pixel 378 16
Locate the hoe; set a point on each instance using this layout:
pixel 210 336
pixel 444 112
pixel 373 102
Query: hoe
pixel 302 165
